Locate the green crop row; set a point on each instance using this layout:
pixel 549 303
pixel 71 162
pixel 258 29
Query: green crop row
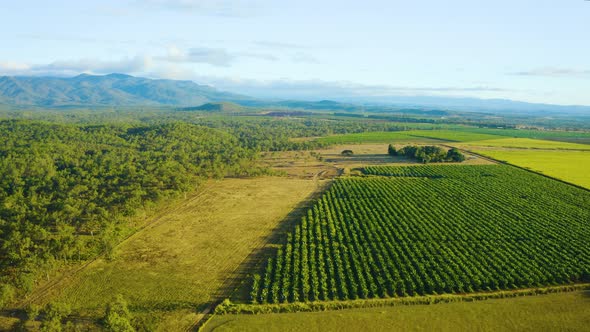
pixel 422 230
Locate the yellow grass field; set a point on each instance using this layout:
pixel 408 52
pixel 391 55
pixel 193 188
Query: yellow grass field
pixel 189 257
pixel 552 312
pixel 569 166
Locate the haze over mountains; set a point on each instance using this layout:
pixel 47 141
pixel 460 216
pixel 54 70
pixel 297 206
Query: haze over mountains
pixel 125 90
pixel 107 90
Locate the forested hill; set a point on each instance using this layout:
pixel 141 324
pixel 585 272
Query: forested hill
pixel 107 90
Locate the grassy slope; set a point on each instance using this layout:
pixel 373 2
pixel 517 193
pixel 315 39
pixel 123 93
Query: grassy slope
pixel 562 311
pixel 570 166
pixel 182 262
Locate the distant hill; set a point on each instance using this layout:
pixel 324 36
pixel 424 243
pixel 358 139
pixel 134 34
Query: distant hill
pixel 222 107
pixel 107 90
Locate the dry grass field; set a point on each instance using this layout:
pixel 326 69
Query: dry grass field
pixel 329 163
pixel 192 255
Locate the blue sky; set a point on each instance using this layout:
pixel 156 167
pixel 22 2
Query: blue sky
pixel 536 51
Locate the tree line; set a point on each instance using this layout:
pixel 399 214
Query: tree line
pixel 427 153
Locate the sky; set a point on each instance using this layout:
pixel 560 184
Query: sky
pixel 536 51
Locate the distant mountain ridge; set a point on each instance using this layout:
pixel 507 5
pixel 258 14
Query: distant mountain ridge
pixel 124 90
pixel 216 107
pixel 106 90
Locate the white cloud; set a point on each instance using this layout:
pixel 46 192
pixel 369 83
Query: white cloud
pixel 555 72
pixel 134 65
pixel 125 65
pixel 213 56
pixel 304 58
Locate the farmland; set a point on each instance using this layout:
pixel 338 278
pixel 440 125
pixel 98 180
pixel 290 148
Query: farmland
pixel 419 136
pixel 569 166
pixel 528 143
pixel 431 230
pixel 562 311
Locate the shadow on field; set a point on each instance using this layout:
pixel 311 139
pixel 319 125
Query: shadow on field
pixel 237 285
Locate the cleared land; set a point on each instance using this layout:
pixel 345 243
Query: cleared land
pixel 569 166
pixel 453 135
pixel 528 143
pixel 432 230
pixel 552 312
pixel 191 256
pixel 567 136
pixel 410 136
pixel 329 163
pixel 375 137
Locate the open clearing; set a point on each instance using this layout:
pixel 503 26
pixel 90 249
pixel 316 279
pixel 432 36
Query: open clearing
pixel 527 143
pixel 569 166
pixel 190 257
pixel 375 137
pixel 552 312
pixel 329 163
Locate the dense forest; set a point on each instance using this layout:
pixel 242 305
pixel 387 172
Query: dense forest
pixel 65 190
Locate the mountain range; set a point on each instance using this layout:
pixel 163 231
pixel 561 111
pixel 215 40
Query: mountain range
pixel 106 90
pixel 124 90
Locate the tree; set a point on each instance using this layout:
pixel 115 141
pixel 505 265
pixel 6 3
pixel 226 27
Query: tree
pixel 455 155
pixel 117 317
pixel 391 150
pixel 52 316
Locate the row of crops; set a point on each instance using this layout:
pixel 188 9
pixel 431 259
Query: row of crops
pixel 432 230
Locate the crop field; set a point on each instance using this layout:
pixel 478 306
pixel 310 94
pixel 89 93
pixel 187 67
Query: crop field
pixel 528 143
pixel 571 136
pixel 184 261
pixel 552 312
pixel 415 230
pixel 453 135
pixel 411 136
pixel 569 166
pixel 373 137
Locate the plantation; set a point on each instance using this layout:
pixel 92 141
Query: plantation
pixel 432 230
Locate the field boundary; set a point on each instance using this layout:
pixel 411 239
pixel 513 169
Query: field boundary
pixel 227 307
pixel 256 258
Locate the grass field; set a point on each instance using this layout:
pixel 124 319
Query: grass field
pixel 187 258
pixel 552 312
pixel 572 136
pixel 373 137
pixel 570 166
pixel 453 135
pixel 528 143
pixel 411 136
